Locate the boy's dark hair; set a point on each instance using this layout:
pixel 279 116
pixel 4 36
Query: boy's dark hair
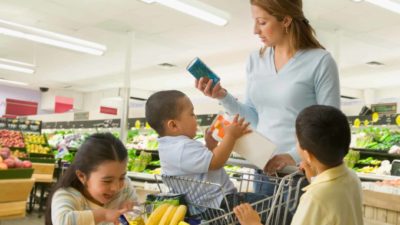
pixel 161 106
pixel 96 149
pixel 325 132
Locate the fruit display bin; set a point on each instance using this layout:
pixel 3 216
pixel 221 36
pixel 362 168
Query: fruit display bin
pixel 19 173
pixel 381 208
pixel 13 196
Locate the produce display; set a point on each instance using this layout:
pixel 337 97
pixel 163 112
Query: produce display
pixel 9 138
pixel 351 158
pixel 8 161
pixel 35 139
pixel 376 138
pixel 138 163
pixel 34 148
pixel 139 141
pixel 167 214
pixel 19 154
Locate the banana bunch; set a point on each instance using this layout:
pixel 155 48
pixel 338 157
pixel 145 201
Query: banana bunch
pixel 167 214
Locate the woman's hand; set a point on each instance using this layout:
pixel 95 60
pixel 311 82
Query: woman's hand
pixel 247 215
pixel 278 162
pixel 205 85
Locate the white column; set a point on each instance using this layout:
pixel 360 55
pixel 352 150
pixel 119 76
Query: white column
pixel 125 90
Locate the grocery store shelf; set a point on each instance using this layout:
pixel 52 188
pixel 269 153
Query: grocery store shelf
pixel 375 177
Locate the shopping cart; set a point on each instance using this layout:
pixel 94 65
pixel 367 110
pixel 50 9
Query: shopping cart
pixel 273 210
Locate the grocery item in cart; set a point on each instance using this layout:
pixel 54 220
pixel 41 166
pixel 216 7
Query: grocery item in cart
pixel 254 147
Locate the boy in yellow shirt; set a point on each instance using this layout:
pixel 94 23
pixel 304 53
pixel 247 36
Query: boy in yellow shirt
pixel 334 194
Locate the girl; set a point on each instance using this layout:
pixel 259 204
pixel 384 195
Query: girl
pixel 94 189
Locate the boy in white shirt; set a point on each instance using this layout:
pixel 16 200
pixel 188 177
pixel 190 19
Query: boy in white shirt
pixel 334 195
pixel 171 114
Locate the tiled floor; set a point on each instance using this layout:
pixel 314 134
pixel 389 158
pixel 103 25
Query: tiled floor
pixel 31 219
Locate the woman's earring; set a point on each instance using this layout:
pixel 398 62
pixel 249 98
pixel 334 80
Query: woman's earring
pixel 286 28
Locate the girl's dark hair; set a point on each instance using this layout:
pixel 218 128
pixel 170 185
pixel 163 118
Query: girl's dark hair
pixel 96 149
pixel 301 34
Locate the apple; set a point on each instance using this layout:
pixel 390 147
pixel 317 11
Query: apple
pixel 5 153
pixel 10 163
pixel 3 166
pixel 19 164
pixel 27 164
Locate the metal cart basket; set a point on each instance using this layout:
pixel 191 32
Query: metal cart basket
pixel 204 198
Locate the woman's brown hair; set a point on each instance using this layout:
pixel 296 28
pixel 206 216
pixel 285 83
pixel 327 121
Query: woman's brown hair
pixel 301 34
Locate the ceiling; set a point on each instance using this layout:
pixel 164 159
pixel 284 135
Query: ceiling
pixel 355 33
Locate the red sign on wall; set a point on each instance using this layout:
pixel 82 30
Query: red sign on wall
pixel 63 104
pixel 16 107
pixel 108 110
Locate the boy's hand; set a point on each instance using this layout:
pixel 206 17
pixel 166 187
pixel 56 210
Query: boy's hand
pixel 278 162
pixel 247 215
pixel 211 143
pixel 237 128
pixel 308 170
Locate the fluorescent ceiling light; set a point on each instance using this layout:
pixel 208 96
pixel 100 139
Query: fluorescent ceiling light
pixel 16 66
pixel 46 37
pixel 13 82
pixel 197 9
pixel 391 5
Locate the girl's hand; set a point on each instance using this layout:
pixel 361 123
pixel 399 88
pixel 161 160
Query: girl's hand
pixel 247 215
pixel 127 205
pixel 205 85
pixel 108 215
pixel 237 128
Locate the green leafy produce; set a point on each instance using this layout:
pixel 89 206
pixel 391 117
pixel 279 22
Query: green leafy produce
pixel 375 138
pixel 351 158
pixel 369 161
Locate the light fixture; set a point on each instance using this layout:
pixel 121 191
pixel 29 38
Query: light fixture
pixel 375 64
pixel 16 66
pixel 13 82
pixel 197 9
pixel 386 4
pixel 46 37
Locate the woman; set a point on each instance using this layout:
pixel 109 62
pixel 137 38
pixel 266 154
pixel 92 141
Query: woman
pixel 290 72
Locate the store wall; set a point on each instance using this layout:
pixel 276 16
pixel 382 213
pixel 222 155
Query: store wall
pixel 48 99
pixel 17 93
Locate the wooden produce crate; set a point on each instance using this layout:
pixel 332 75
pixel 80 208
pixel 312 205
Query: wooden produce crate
pixel 43 172
pixel 13 196
pixel 381 208
pixel 19 173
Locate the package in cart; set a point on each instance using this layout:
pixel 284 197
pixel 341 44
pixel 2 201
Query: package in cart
pixel 254 147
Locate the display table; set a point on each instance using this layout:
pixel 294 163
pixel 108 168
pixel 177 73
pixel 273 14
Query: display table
pixel 43 175
pixel 381 208
pixel 13 196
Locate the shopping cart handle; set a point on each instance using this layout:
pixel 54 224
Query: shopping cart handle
pixel 289 170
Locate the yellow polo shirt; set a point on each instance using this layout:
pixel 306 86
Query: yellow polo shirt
pixel 332 198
